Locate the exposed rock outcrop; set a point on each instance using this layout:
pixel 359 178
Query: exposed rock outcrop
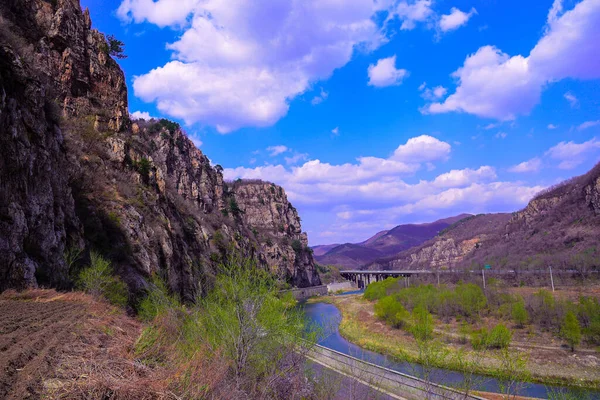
pixel 559 227
pixel 267 211
pixel 76 172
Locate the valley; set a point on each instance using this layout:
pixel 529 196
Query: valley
pixel 156 226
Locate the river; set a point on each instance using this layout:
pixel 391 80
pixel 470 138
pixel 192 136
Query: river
pixel 329 317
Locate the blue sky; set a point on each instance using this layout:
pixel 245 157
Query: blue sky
pixel 373 113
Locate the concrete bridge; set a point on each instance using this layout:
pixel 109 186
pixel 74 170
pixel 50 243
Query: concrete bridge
pixel 363 278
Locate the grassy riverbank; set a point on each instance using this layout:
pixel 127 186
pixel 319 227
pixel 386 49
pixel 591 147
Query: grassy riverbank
pixel 551 366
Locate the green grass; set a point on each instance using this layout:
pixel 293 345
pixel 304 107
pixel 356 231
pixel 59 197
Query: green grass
pixel 355 331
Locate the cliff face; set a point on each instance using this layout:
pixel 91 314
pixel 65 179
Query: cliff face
pixel 76 173
pixel 275 223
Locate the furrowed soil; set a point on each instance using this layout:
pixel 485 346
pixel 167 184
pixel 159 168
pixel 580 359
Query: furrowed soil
pixel 69 346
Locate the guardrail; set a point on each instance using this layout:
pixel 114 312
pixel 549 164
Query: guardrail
pixel 385 379
pixel 305 293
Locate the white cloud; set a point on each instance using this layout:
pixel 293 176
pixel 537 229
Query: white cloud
pixel 371 193
pixel 162 12
pixel 276 150
pixel 588 124
pixel 385 73
pixel 455 19
pixel 241 64
pixel 141 115
pixel 492 84
pixel 432 94
pixel 495 85
pixel 491 126
pixel 411 12
pixel 421 149
pixel 196 140
pixel 321 97
pixel 532 165
pixel 465 177
pixel 335 131
pixel 571 154
pixel 552 126
pixel 296 158
pixel 573 101
pixel 501 135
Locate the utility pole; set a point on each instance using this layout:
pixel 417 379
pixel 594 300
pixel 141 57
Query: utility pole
pixel 438 276
pixel 483 275
pixel 551 279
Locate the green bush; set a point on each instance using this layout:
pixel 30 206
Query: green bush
pixel 391 311
pixel 157 300
pixel 499 337
pixel 377 290
pixel 543 309
pixel 98 280
pixel 519 314
pixel 422 324
pixel 297 246
pixel 471 299
pixel 479 339
pixel 571 330
pixel 588 313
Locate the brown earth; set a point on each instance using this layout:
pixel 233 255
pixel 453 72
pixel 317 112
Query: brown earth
pixel 69 346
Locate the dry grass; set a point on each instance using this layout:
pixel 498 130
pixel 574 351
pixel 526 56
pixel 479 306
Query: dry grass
pixel 99 360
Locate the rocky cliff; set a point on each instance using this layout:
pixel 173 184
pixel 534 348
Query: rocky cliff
pixel 76 173
pixel 559 227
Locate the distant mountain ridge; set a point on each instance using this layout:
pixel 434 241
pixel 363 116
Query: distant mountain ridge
pixel 559 227
pixel 383 244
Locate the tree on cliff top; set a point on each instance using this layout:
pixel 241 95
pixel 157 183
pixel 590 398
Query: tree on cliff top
pixel 115 47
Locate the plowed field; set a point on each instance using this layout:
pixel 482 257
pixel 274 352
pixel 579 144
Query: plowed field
pixel 32 333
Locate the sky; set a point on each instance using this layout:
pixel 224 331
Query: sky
pixel 372 113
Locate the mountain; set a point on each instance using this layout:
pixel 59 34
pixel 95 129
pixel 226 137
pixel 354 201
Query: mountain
pixel 559 227
pixel 383 244
pixel 322 249
pixel 76 174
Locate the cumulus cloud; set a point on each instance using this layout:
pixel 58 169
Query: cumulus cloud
pixel 421 149
pixel 411 12
pixel 240 65
pixel 141 115
pixel 532 165
pixel 552 126
pixel 493 84
pixel 373 192
pixel 571 154
pixel 385 73
pixel 276 150
pixel 335 131
pixel 588 124
pixel 162 12
pixel 456 19
pixel 465 177
pixel 501 135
